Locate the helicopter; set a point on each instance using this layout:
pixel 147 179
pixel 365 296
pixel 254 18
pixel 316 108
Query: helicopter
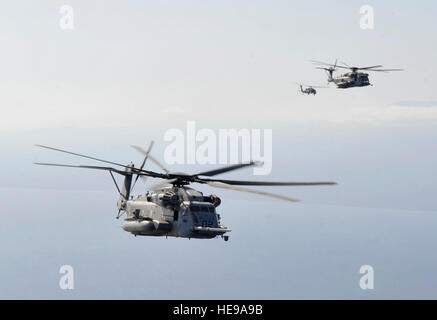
pixel 309 89
pixel 355 78
pixel 171 208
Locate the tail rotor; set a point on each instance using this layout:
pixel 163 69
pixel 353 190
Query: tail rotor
pixel 143 163
pixel 329 69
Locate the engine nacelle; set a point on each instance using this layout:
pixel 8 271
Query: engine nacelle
pixel 169 197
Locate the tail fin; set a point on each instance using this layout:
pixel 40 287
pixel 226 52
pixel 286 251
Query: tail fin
pixel 125 190
pixel 330 72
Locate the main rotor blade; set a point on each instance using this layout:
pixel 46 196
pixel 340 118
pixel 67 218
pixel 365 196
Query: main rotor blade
pixel 211 173
pixel 161 184
pixel 273 195
pixel 385 70
pixel 264 183
pixel 153 159
pixel 365 68
pixel 81 166
pixel 328 64
pixel 321 63
pixel 134 170
pixel 81 155
pixel 342 67
pixel 318 87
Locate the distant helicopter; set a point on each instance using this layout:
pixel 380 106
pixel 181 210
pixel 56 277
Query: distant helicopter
pixel 175 210
pixel 309 89
pixel 353 78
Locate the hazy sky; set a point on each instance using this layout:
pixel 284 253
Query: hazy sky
pixel 130 71
pixel 149 61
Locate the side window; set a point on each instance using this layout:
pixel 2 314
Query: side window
pixel 137 213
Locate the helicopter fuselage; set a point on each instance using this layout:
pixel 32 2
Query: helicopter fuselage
pixel 174 212
pixel 351 79
pixel 309 91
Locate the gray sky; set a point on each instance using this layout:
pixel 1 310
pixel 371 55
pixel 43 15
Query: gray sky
pixel 202 60
pixel 129 72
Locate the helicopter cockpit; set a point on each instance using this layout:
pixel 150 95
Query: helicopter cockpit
pixel 204 214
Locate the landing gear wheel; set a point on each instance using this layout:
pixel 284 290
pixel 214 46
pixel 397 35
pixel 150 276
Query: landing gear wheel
pixel 226 238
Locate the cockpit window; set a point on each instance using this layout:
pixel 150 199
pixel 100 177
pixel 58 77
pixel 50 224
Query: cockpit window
pixel 195 208
pixel 207 209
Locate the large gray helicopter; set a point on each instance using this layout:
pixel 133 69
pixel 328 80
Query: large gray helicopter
pixel 350 79
pixel 171 208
